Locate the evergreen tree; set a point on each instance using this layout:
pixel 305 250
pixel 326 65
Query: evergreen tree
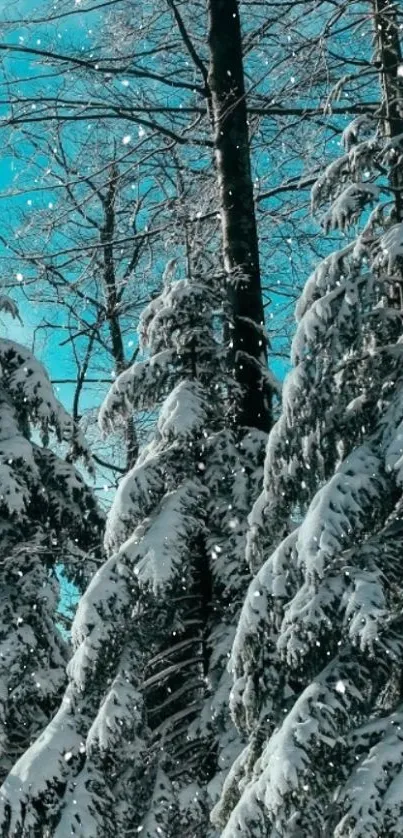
pixel 47 516
pixel 318 650
pixel 143 739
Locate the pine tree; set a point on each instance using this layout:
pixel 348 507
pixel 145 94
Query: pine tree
pixel 47 516
pixel 318 650
pixel 143 739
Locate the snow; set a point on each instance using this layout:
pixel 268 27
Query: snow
pixel 361 157
pixel 119 715
pixel 156 547
pixel 367 238
pixel 371 798
pixel 290 762
pixel 347 207
pixel 9 306
pixel 338 511
pixel 329 182
pixel 325 278
pixel 135 497
pixel 269 583
pixel 185 412
pixel 45 507
pixel 390 248
pixel 134 389
pixel 359 125
pixel 79 817
pixel 365 608
pixel 104 598
pixel 314 325
pixel 160 807
pixel 27 382
pixel 28 779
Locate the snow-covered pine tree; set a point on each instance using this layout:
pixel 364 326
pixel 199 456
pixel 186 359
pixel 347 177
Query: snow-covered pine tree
pixel 47 514
pixel 143 738
pixel 317 657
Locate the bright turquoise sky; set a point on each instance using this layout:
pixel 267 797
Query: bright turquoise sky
pixel 74 28
pixel 57 359
pixel 12 172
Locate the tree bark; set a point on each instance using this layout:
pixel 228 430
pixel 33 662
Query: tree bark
pixel 248 351
pixel 389 59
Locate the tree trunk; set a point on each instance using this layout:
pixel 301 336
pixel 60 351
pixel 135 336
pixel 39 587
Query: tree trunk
pixel 248 354
pixel 389 59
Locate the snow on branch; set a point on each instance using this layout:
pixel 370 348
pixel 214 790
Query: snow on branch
pixel 347 208
pixel 259 619
pixel 10 307
pixel 103 605
pixel 328 184
pixel 178 308
pixel 313 328
pixel 185 412
pixel 54 758
pixel 392 433
pixel 390 248
pixel 371 799
pixel 340 510
pixel 361 157
pixel 135 497
pixel 29 777
pixel 325 278
pixel 27 382
pixel 336 518
pixel 120 715
pixel 368 237
pixel 87 799
pixel 363 124
pixel 270 583
pixel 18 468
pixel 291 761
pixel 158 544
pixel 364 601
pixel 160 808
pixel 135 389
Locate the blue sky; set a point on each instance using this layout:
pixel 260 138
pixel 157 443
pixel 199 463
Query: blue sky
pixel 58 361
pixel 10 171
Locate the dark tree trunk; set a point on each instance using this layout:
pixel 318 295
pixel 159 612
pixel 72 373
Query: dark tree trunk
pixel 389 59
pixel 248 354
